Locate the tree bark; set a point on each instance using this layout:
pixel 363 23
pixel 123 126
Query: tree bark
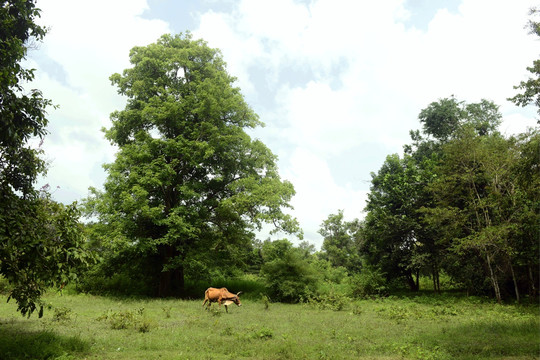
pixel 515 281
pixel 532 286
pixel 410 280
pixel 494 280
pixel 436 283
pixel 171 281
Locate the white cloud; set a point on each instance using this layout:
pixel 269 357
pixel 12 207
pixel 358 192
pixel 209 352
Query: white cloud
pixel 317 194
pixel 371 77
pixel 326 76
pixel 87 42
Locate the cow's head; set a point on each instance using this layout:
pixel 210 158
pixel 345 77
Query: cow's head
pixel 236 299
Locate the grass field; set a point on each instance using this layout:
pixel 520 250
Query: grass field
pixel 421 327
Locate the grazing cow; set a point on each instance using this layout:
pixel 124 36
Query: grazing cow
pixel 221 296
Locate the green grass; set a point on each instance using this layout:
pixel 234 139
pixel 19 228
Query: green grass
pixel 417 327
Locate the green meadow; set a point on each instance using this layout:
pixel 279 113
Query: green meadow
pixel 423 326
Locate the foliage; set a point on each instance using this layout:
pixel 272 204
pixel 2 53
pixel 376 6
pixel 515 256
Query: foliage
pixel 22 114
pixel 128 319
pixel 330 300
pixel 41 241
pixel 42 245
pixel 188 186
pixel 62 314
pixel 530 89
pixel 329 273
pixel 369 282
pixel 460 200
pixel 340 241
pixel 392 226
pixel 287 273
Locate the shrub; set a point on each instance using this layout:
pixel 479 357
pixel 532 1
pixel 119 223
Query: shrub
pixel 290 277
pixel 330 273
pixel 368 282
pixel 266 301
pixel 331 300
pixel 62 314
pixel 128 319
pixel 263 333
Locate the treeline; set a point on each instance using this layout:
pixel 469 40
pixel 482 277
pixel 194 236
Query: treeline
pixel 189 189
pixel 463 200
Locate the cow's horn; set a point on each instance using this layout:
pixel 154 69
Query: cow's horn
pixel 238 293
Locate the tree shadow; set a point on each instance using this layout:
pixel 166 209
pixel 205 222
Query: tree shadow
pixel 18 343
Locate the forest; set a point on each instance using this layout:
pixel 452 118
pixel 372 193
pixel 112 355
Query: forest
pixel 189 191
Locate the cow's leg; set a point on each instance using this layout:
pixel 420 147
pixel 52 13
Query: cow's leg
pixel 226 309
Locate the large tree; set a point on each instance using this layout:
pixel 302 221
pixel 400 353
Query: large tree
pixel 188 184
pixel 391 227
pixel 40 240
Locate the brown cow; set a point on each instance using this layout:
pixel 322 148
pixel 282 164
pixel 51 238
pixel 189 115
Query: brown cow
pixel 221 296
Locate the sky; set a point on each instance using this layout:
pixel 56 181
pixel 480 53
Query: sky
pixel 338 83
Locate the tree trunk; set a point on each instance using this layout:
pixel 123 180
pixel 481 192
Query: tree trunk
pixel 171 281
pixel 410 280
pixel 436 284
pixel 494 280
pixel 532 283
pixel 515 281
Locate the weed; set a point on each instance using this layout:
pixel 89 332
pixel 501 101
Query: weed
pixel 145 325
pixel 228 331
pixel 357 309
pixel 62 314
pixel 266 301
pixel 263 333
pixel 167 311
pixel 127 319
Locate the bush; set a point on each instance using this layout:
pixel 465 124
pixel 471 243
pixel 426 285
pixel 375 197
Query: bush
pixel 331 300
pixel 330 273
pixel 62 314
pixel 289 278
pixel 128 319
pixel 369 282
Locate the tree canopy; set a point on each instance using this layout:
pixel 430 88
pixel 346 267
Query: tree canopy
pixel 457 202
pixel 189 185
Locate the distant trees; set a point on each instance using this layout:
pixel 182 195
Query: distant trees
pixel 340 244
pixel 41 241
pixel 457 201
pixel 188 185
